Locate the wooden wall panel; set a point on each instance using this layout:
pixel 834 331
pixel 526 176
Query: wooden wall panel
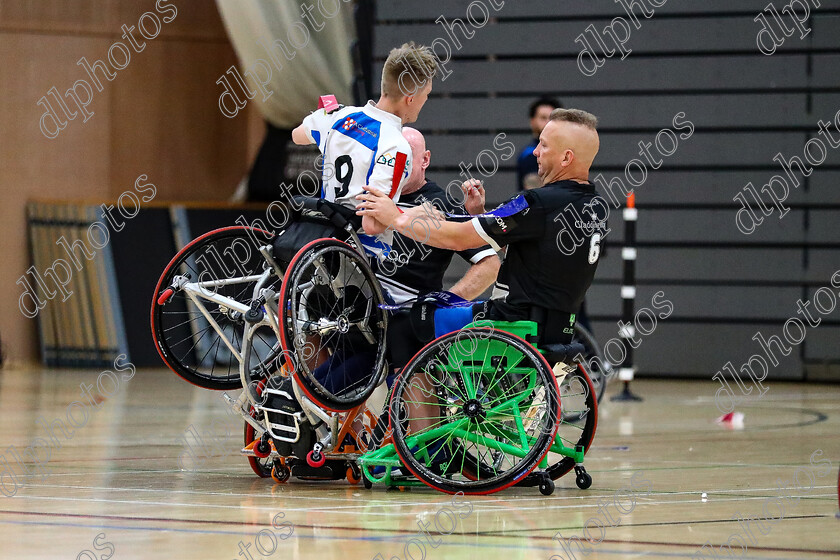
pixel 59 16
pixel 159 116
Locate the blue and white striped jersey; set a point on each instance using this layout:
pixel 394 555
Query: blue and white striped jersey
pixel 362 146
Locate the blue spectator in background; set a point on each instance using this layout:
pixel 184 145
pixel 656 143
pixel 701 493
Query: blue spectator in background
pixel 526 164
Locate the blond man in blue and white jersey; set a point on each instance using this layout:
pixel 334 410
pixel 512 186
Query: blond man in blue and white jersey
pixel 364 145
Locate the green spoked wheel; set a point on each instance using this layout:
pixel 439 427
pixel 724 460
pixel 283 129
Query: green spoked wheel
pixel 474 411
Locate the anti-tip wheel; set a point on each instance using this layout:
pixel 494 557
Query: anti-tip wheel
pixel 583 480
pixel 354 476
pixel 315 460
pixel 547 487
pixel 262 449
pixel 280 473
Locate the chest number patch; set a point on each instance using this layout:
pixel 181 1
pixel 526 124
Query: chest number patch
pixel 594 248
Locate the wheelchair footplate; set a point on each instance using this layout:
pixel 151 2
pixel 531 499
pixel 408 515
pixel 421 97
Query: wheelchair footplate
pixel 385 458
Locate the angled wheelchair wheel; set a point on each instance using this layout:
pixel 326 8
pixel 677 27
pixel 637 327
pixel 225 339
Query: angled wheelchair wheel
pixel 578 423
pixel 332 328
pixel 598 367
pixel 261 466
pixel 474 411
pixel 196 334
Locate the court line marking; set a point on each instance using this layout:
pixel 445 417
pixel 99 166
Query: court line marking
pixel 518 546
pixel 484 500
pixel 342 510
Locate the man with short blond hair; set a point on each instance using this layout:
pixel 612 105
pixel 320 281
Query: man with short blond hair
pixel 407 69
pixel 364 145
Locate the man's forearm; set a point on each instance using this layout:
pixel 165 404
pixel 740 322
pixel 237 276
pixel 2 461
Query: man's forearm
pixel 372 226
pixel 456 236
pixel 478 278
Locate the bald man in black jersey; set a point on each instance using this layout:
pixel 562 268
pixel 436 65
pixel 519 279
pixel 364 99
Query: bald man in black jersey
pixel 419 269
pixel 553 235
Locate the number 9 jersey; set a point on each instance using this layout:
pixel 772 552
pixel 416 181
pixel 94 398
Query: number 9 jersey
pixel 361 146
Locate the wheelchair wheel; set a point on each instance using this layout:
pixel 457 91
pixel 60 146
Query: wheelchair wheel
pixel 598 367
pixel 331 324
pixel 226 262
pixel 482 409
pixel 261 467
pixel 578 423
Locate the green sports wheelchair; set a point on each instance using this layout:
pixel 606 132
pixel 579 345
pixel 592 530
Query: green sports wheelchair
pixel 479 409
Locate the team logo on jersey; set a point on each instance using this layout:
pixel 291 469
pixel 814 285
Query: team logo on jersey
pixel 351 124
pixel 592 225
pixel 386 159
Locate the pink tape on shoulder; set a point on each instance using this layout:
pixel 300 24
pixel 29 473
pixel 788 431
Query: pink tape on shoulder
pixel 328 102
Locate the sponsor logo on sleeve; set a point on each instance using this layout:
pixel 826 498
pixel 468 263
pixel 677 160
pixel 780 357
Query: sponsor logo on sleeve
pixel 386 159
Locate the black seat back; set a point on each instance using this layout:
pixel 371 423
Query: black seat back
pixel 339 215
pixel 562 352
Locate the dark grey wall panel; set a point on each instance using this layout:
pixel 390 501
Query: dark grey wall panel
pixel 712 226
pixel 826 107
pixel 664 73
pixel 430 10
pixel 824 187
pixel 822 264
pixel 719 264
pixel 821 343
pixel 631 111
pixel 824 227
pixel 826 71
pixel 701 350
pixel 705 302
pixel 826 29
pixel 558 37
pixel 453 149
pixel 702 187
pixel 702 148
pixel 617 149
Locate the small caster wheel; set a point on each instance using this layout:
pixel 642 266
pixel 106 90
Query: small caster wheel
pixel 354 476
pixel 366 483
pixel 547 487
pixel 315 459
pixel 280 473
pixel 262 449
pixel 583 478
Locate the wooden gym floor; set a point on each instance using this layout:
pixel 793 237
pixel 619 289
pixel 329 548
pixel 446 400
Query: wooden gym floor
pixel 117 488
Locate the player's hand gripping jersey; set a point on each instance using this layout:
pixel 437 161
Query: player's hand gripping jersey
pixel 362 146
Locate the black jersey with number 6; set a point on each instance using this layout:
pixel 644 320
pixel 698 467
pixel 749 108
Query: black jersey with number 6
pixel 553 236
